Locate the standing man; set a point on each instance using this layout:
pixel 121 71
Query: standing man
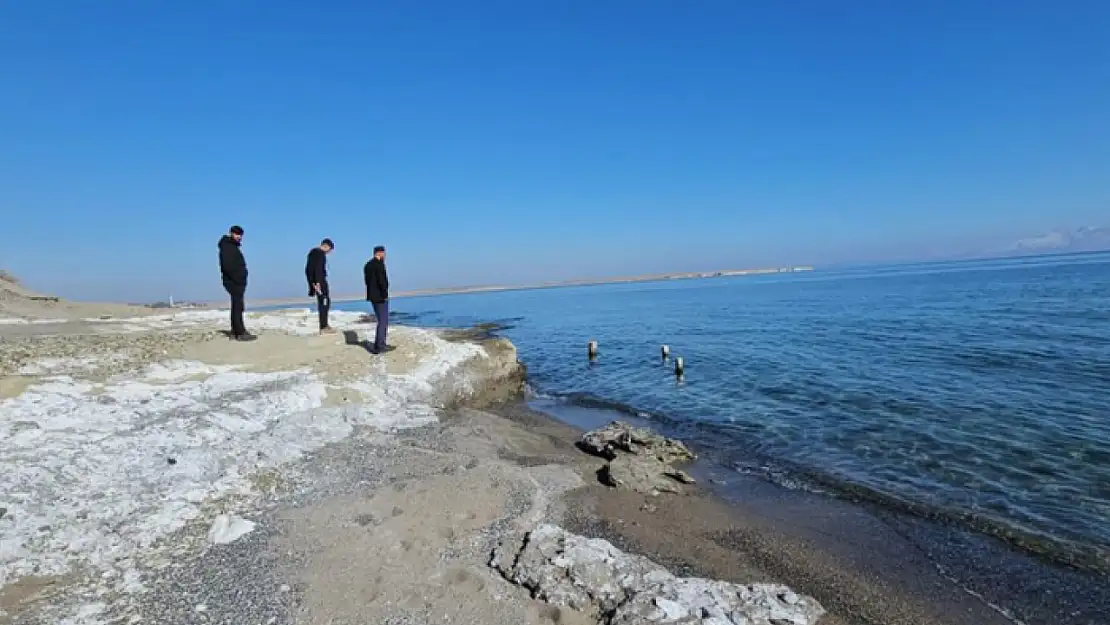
pixel 316 271
pixel 377 291
pixel 233 269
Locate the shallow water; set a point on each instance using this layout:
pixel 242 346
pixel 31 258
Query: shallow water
pixel 972 391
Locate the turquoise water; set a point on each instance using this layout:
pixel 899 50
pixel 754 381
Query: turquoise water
pixel 976 392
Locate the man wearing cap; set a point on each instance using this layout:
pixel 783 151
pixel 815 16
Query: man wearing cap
pixel 233 270
pixel 316 272
pixel 377 291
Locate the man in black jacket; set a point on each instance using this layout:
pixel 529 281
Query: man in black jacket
pixel 316 271
pixel 233 269
pixel 377 291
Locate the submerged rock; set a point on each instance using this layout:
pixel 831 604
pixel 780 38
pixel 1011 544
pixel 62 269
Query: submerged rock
pixel 596 578
pixel 618 436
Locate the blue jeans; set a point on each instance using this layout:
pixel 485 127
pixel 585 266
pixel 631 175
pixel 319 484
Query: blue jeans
pixel 381 311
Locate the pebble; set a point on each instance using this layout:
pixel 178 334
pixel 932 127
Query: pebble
pixel 228 529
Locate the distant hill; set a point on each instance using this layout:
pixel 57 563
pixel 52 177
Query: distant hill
pixel 1084 239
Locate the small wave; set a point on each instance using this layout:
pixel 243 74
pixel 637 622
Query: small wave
pixel 1084 557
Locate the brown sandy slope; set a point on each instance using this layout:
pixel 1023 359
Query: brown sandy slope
pixel 18 302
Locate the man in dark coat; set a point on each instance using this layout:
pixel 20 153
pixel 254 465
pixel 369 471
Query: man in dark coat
pixel 316 272
pixel 233 270
pixel 377 291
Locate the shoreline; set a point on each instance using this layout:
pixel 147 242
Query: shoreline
pixel 464 290
pixel 938 564
pixel 1052 551
pixel 480 466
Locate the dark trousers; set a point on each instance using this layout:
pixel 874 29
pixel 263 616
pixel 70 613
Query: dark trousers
pixel 237 293
pixel 381 311
pixel 323 305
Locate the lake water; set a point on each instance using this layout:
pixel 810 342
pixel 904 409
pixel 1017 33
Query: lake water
pixel 976 392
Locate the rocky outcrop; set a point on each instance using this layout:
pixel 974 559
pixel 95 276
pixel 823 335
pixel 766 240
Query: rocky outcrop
pixel 617 437
pixel 643 474
pixel 594 577
pixel 495 377
pixel 639 459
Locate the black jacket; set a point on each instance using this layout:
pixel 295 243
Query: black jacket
pixel 377 282
pixel 233 267
pixel 316 270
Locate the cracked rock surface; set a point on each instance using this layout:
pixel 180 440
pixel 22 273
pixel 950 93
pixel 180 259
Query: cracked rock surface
pixel 594 577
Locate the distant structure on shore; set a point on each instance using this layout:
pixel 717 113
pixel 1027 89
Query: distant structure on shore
pixel 173 304
pixel 694 275
pixel 741 272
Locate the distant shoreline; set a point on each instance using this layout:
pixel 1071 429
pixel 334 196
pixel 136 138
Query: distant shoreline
pixel 689 275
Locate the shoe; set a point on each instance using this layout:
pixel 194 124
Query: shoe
pixel 387 348
pixel 245 338
pixel 328 330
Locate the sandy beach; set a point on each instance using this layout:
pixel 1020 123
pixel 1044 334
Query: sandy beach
pixel 155 472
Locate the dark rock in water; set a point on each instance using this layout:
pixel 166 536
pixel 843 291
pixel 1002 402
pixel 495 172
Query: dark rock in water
pixel 595 578
pixel 617 437
pixel 171 461
pixel 3 512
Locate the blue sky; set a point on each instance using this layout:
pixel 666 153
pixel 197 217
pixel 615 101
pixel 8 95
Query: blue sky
pixel 508 141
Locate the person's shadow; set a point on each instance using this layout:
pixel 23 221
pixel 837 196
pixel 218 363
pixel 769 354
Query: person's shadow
pixel 350 337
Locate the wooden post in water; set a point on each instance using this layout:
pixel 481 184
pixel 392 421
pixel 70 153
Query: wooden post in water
pixel 679 367
pixel 665 351
pixel 591 349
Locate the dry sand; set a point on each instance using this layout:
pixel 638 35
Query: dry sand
pixel 27 312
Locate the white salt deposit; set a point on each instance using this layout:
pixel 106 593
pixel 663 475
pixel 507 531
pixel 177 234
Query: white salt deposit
pixel 228 529
pixel 300 321
pixel 44 366
pixel 92 474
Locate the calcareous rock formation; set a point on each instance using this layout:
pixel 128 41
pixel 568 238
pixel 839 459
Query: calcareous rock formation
pixel 639 459
pixel 616 437
pixel 594 577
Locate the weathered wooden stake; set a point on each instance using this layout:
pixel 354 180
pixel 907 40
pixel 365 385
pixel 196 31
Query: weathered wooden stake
pixel 679 366
pixel 592 349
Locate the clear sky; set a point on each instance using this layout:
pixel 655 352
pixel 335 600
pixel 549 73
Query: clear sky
pixel 514 141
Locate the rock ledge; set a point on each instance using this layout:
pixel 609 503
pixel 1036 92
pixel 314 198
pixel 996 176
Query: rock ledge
pixel 639 459
pixel 595 578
